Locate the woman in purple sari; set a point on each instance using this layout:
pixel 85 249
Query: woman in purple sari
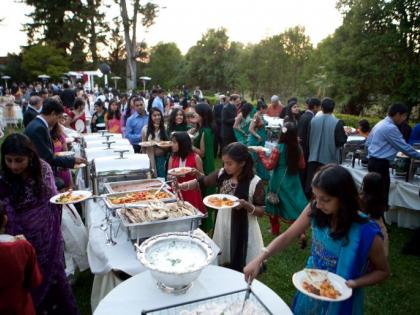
pixel 26 185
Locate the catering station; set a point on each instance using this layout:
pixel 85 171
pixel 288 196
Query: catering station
pixel 140 228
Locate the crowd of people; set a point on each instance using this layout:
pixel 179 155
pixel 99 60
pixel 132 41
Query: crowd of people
pixel 300 182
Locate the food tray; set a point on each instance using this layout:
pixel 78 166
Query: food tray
pixel 110 205
pixel 118 187
pixel 231 298
pixel 147 229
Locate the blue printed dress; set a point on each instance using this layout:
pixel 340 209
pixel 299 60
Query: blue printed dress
pixel 347 259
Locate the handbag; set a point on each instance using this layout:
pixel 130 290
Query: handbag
pixel 273 197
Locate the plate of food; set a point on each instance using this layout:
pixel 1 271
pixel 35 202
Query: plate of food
pixel 72 196
pixel 164 144
pixel 147 144
pixel 259 148
pixel 77 166
pixel 180 171
pixel 349 129
pixel 69 140
pixel 322 285
pixel 65 153
pixel 221 201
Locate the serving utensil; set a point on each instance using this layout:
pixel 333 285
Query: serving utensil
pixel 247 294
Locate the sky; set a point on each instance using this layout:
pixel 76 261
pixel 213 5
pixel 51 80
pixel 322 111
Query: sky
pixel 184 21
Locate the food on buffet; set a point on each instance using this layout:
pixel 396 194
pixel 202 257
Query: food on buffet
pixel 138 196
pixel 220 202
pixel 176 256
pixel 180 171
pixel 157 211
pixel 123 187
pixel 217 308
pixel 69 197
pixel 319 284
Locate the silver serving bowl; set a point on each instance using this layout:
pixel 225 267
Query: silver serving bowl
pixel 175 260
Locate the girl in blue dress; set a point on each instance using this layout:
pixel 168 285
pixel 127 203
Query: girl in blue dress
pixel 343 242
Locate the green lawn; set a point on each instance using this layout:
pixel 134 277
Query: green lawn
pixel 398 295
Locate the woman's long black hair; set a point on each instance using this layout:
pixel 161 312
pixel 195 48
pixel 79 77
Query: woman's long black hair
pixel 111 113
pixel 293 151
pixel 172 119
pixel 206 115
pixel 373 196
pixel 151 129
pixel 336 181
pixel 184 144
pixel 19 144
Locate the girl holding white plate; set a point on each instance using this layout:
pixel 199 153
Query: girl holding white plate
pixel 343 242
pixel 237 232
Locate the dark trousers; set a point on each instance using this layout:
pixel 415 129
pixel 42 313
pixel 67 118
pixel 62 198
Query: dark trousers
pixel 381 166
pixel 136 148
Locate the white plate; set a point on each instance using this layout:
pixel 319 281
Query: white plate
pixel 69 139
pixel 338 282
pixel 83 193
pixel 77 166
pixel 350 129
pixel 65 153
pixel 147 144
pixel 259 148
pixel 180 171
pixel 79 125
pixel 164 144
pixel 233 198
pixel 100 125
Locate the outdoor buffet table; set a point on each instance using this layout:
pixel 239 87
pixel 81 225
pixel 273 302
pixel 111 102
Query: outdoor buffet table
pixel 141 293
pixel 104 259
pixel 404 199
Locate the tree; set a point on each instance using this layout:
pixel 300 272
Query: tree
pixel 40 59
pixel 149 13
pixel 206 60
pixel 14 68
pixel 164 64
pixel 96 27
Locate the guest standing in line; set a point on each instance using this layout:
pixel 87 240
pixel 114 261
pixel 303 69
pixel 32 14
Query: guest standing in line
pixel 242 122
pixel 177 121
pixel 135 124
pixel 33 110
pixel 113 117
pixel 26 186
pixel 228 119
pixel 385 141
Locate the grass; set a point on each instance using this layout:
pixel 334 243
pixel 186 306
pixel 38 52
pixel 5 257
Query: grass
pixel 397 295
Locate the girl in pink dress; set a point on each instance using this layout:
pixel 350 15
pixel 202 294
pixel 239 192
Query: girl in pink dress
pixel 60 145
pixel 113 117
pixel 184 156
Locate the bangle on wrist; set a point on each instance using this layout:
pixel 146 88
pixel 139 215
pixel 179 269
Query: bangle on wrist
pixel 265 252
pixel 253 210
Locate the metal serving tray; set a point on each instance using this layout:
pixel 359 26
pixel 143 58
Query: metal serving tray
pixel 114 187
pixel 110 205
pixel 138 231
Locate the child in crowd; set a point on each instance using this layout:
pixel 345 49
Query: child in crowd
pixel 113 117
pixel 343 242
pixel 374 202
pixel 19 273
pixel 236 232
pixel 286 199
pixel 184 156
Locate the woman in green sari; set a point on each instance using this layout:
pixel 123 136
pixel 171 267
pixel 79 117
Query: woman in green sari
pixel 204 146
pixel 242 122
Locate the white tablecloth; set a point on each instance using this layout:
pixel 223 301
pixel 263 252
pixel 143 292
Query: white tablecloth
pixel 404 200
pixel 141 293
pixel 104 258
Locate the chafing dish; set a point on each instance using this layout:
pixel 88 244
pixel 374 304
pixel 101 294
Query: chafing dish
pixel 117 187
pixel 107 143
pixel 171 197
pixel 114 169
pixel 175 260
pixel 93 153
pixel 147 229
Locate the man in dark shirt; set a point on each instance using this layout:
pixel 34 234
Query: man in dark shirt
pixel 34 108
pixel 217 114
pixel 314 105
pixel 228 119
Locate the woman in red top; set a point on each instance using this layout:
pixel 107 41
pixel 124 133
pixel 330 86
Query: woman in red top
pixel 19 274
pixel 77 115
pixel 184 156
